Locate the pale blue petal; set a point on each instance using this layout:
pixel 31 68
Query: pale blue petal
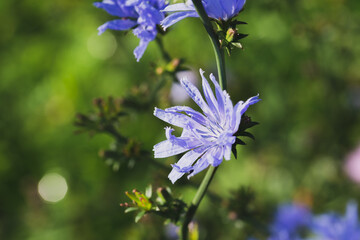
pixel 166 149
pixel 144 32
pixel 132 2
pixel 185 142
pixel 148 14
pixel 198 117
pixel 177 119
pixel 115 9
pixel 239 109
pixel 200 165
pixel 175 17
pixel 229 109
pixel 220 97
pixel 185 161
pixel 119 24
pixel 194 93
pixel 177 7
pixel 174 140
pixel 216 156
pixel 227 152
pixel 139 50
pixel 209 96
pixel 192 138
pixel 175 175
pixel 182 170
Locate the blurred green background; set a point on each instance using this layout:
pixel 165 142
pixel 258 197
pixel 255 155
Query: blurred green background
pixel 303 57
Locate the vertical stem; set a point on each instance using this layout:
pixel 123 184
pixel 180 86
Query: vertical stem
pixel 220 63
pixel 219 53
pixel 196 201
pixel 164 54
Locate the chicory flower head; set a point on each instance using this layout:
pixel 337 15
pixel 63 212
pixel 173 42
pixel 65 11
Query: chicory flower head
pixel 331 226
pixel 140 15
pixel 207 137
pixel 216 9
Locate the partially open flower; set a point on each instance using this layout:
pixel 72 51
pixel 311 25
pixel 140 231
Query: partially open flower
pixel 216 9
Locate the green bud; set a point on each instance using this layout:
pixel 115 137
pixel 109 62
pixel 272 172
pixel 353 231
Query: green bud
pixel 230 33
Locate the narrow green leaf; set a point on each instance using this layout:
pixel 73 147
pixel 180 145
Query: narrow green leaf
pixel 131 209
pixel 237 44
pixel 139 216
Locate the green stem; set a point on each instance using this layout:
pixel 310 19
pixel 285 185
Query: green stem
pixel 219 53
pixel 220 63
pixel 203 186
pixel 196 201
pixel 165 55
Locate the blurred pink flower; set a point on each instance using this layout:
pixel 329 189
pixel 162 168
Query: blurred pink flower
pixel 352 165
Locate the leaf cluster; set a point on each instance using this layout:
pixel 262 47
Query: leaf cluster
pixel 229 35
pixel 165 205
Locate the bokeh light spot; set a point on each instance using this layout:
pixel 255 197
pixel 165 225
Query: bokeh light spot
pixel 52 187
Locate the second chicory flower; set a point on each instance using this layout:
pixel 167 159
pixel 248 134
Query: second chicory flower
pixel 140 15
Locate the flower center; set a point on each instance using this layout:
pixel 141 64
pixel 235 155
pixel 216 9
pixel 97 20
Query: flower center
pixel 225 138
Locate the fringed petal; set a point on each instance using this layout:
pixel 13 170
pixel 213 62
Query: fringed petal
pixel 200 165
pixel 177 119
pixel 167 149
pixel 239 109
pixel 198 117
pixel 119 24
pixel 175 17
pixel 195 94
pixel 220 97
pixel 139 50
pixel 179 7
pixel 209 96
pixel 185 163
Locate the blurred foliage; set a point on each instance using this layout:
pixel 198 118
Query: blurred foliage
pixel 301 56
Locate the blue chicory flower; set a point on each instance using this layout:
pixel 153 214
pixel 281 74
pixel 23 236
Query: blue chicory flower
pixel 140 15
pixel 331 226
pixel 206 138
pixel 216 9
pixel 289 218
